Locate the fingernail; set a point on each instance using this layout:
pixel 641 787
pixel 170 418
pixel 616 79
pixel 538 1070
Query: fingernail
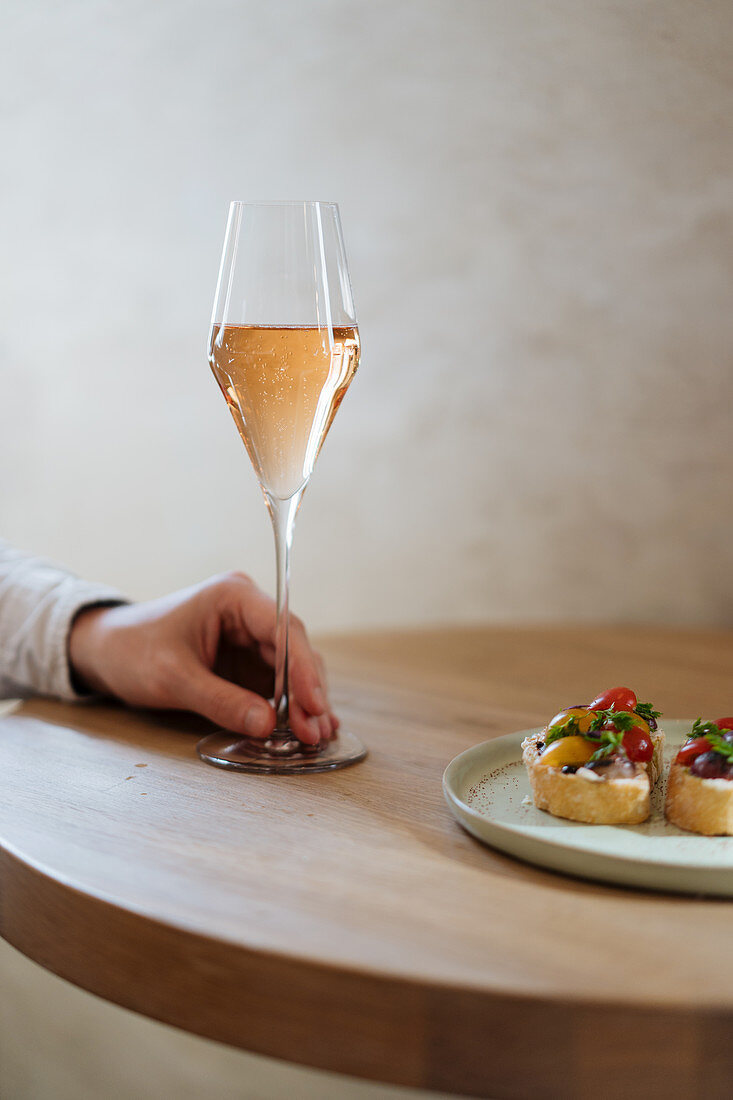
pixel 256 720
pixel 319 699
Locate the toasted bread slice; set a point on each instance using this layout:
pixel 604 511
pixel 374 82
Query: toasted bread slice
pixel 587 797
pixel 699 805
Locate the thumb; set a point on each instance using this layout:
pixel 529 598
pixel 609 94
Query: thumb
pixel 225 703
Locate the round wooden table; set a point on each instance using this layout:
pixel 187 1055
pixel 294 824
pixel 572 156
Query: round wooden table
pixel 344 920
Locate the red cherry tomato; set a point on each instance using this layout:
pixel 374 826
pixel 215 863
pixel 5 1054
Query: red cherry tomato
pixel 725 723
pixel 638 745
pixel 618 698
pixel 692 750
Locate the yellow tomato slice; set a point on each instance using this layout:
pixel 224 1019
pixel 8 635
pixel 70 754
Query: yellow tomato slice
pixel 582 715
pixel 567 750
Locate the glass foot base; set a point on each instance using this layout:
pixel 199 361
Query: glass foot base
pixel 279 756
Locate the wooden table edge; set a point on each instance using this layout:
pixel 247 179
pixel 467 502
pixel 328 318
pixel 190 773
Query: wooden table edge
pixel 291 1004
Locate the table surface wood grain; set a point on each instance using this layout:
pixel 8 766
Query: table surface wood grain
pixel 345 920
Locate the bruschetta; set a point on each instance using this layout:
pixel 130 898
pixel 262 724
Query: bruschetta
pixel 597 763
pixel 700 787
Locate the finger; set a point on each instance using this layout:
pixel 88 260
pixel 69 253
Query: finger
pixel 335 723
pixel 306 727
pixel 324 728
pixel 226 704
pixel 305 676
pixel 320 664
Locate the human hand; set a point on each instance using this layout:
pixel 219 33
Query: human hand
pixel 209 649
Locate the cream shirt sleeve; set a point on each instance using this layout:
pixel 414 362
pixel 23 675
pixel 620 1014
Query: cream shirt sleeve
pixel 38 602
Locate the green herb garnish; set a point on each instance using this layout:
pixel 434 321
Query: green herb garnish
pixel 702 729
pixel 712 733
pixel 612 742
pixel 623 720
pixel 568 728
pixel 647 711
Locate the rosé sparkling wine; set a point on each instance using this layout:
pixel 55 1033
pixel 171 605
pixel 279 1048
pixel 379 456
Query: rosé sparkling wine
pixel 283 347
pixel 283 386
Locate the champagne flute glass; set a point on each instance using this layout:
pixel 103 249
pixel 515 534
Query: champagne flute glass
pixel 283 346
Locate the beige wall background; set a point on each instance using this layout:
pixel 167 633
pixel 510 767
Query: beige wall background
pixel 537 207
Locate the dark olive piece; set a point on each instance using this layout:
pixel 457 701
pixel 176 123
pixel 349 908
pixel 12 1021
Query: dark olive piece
pixel 709 765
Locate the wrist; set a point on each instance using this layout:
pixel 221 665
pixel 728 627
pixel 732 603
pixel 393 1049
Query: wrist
pixel 86 639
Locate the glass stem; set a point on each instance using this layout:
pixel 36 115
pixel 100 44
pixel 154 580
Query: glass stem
pixel 282 513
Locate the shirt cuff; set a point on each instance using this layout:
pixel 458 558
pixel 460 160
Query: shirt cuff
pixel 82 596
